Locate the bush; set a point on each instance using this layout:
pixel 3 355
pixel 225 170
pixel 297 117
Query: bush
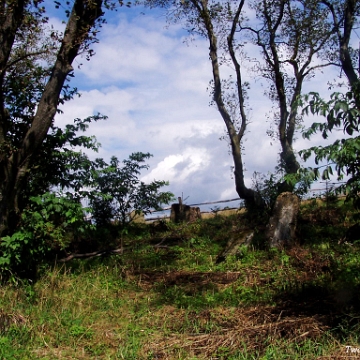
pixel 49 223
pixel 120 192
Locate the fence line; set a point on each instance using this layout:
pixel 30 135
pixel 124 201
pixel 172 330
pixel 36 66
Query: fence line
pixel 311 191
pixel 215 202
pixel 206 203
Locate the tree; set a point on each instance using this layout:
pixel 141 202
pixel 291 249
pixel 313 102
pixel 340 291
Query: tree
pixel 120 192
pixel 52 215
pixel 291 36
pixel 25 122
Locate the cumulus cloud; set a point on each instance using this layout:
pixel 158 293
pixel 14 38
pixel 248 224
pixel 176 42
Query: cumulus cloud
pixel 179 167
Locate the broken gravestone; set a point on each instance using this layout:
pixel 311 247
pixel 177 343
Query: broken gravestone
pixel 281 230
pixel 233 246
pixel 184 213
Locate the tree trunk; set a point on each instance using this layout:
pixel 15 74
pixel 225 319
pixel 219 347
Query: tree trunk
pixel 251 197
pixel 345 56
pixel 287 120
pixel 349 17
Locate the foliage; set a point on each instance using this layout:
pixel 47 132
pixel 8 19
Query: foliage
pixel 267 187
pixel 61 162
pixel 27 73
pixel 340 111
pixel 300 181
pixel 50 222
pixel 120 191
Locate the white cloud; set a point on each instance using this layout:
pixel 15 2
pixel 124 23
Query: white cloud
pixel 179 167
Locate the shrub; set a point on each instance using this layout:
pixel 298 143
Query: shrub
pixel 50 222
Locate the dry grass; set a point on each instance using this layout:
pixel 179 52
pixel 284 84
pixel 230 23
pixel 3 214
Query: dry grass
pixel 250 328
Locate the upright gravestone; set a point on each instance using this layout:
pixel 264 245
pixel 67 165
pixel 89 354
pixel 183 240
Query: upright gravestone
pixel 281 230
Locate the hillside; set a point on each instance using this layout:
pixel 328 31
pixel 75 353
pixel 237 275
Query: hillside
pixel 166 297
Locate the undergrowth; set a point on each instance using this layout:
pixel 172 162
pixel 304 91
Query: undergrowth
pixel 166 297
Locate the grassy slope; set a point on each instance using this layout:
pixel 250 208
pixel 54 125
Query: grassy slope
pixel 174 302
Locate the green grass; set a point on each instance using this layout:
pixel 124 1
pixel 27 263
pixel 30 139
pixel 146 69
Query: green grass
pixel 175 302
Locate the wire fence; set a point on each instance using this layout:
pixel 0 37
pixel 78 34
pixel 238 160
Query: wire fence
pixel 165 212
pixel 324 188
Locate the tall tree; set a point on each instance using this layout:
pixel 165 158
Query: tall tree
pixel 21 136
pixel 291 36
pixel 231 105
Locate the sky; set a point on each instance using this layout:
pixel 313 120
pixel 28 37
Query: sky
pixel 152 84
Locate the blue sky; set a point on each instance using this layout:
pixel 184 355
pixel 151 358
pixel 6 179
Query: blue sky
pixel 152 85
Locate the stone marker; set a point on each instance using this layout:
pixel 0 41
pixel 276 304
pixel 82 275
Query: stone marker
pixel 234 244
pixel 182 213
pixel 282 224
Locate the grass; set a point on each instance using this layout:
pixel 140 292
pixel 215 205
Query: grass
pixel 166 297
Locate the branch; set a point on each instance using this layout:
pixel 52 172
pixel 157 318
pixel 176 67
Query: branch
pixel 36 53
pixel 92 254
pixel 230 40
